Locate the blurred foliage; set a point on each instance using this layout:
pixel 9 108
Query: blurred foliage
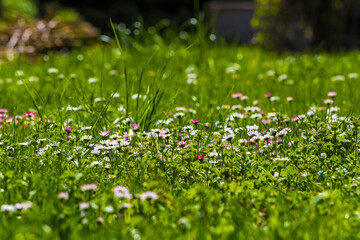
pixel 67 15
pixel 22 32
pixel 151 11
pixel 12 10
pixel 300 24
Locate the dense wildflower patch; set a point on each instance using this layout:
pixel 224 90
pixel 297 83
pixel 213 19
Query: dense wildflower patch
pixel 251 150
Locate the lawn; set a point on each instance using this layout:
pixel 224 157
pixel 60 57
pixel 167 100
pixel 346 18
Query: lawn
pixel 162 137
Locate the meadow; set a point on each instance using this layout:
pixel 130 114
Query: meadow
pixel 165 135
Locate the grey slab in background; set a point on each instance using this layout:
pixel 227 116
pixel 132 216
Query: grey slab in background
pixel 232 19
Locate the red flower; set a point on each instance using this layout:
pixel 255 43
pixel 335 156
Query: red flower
pixel 195 121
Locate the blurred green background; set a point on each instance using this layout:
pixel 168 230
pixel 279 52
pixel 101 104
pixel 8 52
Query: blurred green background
pixel 279 24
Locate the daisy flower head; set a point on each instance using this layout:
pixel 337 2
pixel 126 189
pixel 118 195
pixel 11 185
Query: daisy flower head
pixel 195 121
pixel 104 133
pixel 239 107
pixel 134 127
pixel 328 101
pixel 274 98
pixel 23 206
pixel 338 78
pixel 64 195
pixel 192 111
pixel 181 109
pixel 92 80
pixel 30 115
pixel 84 205
pixel 89 187
pixel 289 99
pixel 122 192
pixel 100 219
pixel 237 95
pixel 149 195
pixel 179 115
pixel 53 71
pixel 244 98
pixel 353 75
pixel 8 208
pixel 331 94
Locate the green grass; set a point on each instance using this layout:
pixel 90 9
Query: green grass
pixel 302 187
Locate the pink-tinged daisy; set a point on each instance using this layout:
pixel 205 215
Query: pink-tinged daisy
pixel 268 95
pixel 84 205
pixel 255 102
pixel 3 116
pixel 100 219
pixel 23 206
pixel 122 192
pixel 8 208
pixel 244 98
pixel 331 94
pixel 338 78
pixel 30 115
pixel 3 110
pixel 121 189
pixel 149 195
pixel 266 121
pixel 194 121
pixel 239 107
pixel 125 206
pixel 289 99
pixel 296 118
pixel 328 101
pixel 68 128
pixel 104 133
pixel 134 127
pixel 200 156
pixel 181 109
pixel 9 120
pixel 89 187
pixel 192 111
pixel 64 195
pixel 237 95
